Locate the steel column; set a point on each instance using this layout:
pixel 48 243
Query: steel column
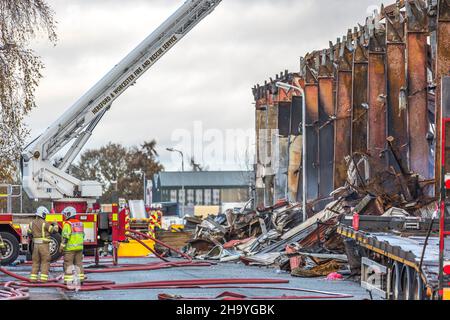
pixel 359 99
pixel 326 125
pixel 417 47
pixel 377 124
pixel 343 125
pixel 396 83
pixel 296 145
pixel 311 137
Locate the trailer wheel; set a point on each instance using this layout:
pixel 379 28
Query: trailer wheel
pixel 419 288
pixel 407 282
pixel 396 283
pixel 12 248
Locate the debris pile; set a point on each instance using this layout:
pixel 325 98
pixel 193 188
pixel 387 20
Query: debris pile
pixel 395 187
pixel 273 237
pixel 277 237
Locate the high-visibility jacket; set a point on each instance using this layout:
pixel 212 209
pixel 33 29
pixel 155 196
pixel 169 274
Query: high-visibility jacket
pixel 155 219
pixel 73 235
pixel 41 230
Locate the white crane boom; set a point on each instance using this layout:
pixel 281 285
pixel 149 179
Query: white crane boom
pixel 43 179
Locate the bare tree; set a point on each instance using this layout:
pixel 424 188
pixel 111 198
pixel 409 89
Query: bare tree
pixel 20 72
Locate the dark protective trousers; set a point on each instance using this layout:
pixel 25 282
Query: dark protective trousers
pixel 41 261
pixel 73 263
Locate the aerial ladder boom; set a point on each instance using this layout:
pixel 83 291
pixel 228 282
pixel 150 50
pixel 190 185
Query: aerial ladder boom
pixel 45 177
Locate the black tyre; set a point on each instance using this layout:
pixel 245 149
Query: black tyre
pixel 89 251
pixel 12 248
pixel 408 279
pixel 396 282
pixel 419 289
pixel 55 243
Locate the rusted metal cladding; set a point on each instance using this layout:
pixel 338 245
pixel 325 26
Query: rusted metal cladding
pixel 343 126
pixel 284 119
pixel 312 141
pixel 273 117
pixel 396 85
pixel 260 126
pixel 272 153
pixel 260 138
pixel 442 70
pixel 269 185
pixel 417 62
pixel 359 100
pixel 284 128
pixel 272 132
pixel 280 167
pixel 294 173
pixel 295 157
pixel 326 137
pixel 377 129
pixel 417 105
pixel 343 123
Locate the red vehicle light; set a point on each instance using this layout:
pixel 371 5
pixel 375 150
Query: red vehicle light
pixel 447 269
pixel 447 184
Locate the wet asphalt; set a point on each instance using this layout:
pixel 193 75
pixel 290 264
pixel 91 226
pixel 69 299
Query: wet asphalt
pixel 222 270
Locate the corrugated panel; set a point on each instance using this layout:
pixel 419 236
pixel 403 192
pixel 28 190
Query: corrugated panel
pixel 207 179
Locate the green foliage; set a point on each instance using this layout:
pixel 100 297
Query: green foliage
pixel 119 169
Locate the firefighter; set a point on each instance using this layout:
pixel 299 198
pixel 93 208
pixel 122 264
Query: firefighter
pixel 39 230
pixel 72 246
pixel 154 221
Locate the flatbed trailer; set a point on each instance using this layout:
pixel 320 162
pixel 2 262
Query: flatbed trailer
pixel 399 261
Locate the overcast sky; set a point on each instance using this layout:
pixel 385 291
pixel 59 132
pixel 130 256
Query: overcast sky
pixel 207 77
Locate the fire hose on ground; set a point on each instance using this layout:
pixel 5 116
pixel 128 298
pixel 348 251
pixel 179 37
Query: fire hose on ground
pixel 15 290
pixel 10 292
pixel 18 290
pixel 90 286
pixel 228 295
pixel 152 266
pixel 132 234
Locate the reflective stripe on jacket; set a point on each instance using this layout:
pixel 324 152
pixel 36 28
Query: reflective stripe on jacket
pixel 40 230
pixel 73 232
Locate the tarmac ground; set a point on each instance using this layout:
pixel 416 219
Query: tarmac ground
pixel 218 271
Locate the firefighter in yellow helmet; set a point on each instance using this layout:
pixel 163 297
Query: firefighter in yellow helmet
pixel 72 246
pixel 39 230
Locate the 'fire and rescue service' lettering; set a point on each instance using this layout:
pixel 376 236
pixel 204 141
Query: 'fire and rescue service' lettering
pixel 135 74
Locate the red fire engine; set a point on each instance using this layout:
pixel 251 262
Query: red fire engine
pixel 101 229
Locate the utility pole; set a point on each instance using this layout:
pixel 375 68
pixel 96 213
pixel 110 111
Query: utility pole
pixel 182 177
pixel 145 189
